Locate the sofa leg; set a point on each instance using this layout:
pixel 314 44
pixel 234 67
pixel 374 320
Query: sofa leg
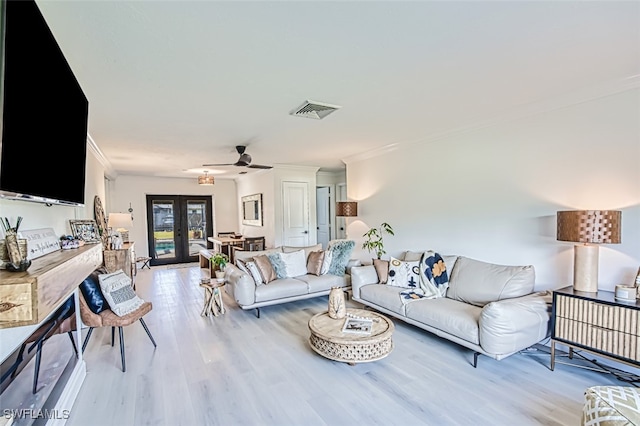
pixel 258 312
pixel 346 294
pixel 475 359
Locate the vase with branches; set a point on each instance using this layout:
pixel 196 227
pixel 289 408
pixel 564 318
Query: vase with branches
pixel 374 239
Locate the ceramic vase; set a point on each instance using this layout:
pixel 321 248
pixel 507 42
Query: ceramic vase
pixel 337 304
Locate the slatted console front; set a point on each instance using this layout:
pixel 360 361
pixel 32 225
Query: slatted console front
pixel 598 323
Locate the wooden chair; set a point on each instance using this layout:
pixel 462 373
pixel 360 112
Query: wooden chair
pixel 253 244
pixel 108 318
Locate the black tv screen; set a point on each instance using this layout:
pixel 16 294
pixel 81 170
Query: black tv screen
pixel 44 113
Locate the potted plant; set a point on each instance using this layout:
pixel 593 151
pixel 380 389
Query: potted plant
pixel 219 262
pixel 374 241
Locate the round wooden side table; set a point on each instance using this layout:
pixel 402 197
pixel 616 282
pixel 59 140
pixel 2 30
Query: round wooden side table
pixel 328 339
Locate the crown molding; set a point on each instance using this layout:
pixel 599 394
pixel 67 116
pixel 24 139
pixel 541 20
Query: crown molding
pixel 109 172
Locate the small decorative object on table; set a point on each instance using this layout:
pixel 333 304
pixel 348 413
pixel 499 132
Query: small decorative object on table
pixel 359 325
pixel 220 261
pixel 18 262
pixel 337 304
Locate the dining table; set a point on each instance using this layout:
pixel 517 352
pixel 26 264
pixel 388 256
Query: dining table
pixel 224 244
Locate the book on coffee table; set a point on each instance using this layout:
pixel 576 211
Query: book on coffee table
pixel 357 325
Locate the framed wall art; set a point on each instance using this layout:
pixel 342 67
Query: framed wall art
pixel 252 210
pixel 85 230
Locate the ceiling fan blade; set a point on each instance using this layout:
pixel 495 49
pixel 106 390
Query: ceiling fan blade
pixel 258 166
pixel 214 165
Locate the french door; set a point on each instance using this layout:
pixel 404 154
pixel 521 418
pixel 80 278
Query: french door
pixel 178 226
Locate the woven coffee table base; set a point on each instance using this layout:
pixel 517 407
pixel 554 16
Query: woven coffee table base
pixel 353 352
pixel 328 339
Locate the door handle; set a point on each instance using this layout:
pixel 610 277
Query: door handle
pixel 305 232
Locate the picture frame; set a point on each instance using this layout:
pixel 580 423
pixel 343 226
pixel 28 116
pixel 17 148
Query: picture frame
pixel 357 325
pixel 252 210
pixel 85 230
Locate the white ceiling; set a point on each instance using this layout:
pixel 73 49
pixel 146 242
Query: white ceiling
pixel 173 85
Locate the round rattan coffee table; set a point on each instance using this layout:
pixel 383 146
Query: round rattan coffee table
pixel 328 339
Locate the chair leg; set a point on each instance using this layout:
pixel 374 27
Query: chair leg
pixel 124 368
pixel 73 343
pixel 148 332
pixel 35 374
pixel 113 332
pixel 86 339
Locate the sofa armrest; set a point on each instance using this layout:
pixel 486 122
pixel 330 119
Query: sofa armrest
pixel 510 325
pixel 360 276
pixel 240 286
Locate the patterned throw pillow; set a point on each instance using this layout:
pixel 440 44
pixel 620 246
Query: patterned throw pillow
pixel 326 262
pixel 249 267
pixel 404 274
pixel 314 262
pixel 117 290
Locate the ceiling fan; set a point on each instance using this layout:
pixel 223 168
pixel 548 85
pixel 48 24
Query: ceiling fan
pixel 243 161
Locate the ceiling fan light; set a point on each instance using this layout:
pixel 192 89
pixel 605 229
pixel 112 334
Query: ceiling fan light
pixel 206 179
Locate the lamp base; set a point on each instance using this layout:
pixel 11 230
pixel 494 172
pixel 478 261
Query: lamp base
pixel 585 268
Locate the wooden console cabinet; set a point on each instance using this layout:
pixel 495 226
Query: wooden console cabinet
pixel 597 323
pixel 29 297
pixel 124 258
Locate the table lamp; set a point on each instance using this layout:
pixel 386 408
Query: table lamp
pixel 589 227
pixel 120 222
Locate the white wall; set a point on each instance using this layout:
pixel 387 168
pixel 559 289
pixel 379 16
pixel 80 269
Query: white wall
pixel 491 193
pixel 127 189
pixel 37 215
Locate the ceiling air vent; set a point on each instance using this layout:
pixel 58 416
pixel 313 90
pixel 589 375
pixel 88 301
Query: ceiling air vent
pixel 313 109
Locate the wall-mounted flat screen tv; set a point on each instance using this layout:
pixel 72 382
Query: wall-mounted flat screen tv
pixel 44 112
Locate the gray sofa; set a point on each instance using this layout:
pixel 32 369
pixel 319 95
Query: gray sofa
pixel 243 289
pixel 491 309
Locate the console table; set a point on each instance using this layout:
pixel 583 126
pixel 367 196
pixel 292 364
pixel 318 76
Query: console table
pixel 123 258
pixel 29 298
pixel 597 323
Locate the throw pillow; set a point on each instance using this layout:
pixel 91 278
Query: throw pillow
pixel 326 262
pixel 278 265
pixel 340 253
pixel 382 269
pixel 117 290
pixel 404 274
pixel 91 292
pixel 314 262
pixel 266 269
pixel 295 263
pixel 254 272
pixel 433 273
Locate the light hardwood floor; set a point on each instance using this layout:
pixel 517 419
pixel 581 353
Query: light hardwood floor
pixel 238 369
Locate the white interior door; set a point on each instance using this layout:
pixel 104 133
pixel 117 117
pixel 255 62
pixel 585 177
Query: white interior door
pixel 295 198
pixel 323 215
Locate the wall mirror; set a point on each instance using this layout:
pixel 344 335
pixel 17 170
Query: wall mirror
pixel 252 210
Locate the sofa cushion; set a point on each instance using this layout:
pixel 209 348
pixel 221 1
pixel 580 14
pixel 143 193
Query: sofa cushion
pixel 324 282
pixel 326 262
pixel 450 316
pixel 479 283
pixel 266 269
pixel 384 295
pixel 279 289
pixel 278 265
pixel 382 269
pixel 314 262
pixel 241 254
pixel 404 274
pixel 307 249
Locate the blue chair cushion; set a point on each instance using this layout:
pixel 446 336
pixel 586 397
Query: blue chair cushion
pixel 92 293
